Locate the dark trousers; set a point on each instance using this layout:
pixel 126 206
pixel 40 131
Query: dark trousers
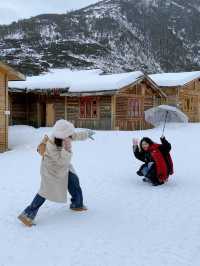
pixel 74 190
pixel 152 175
pixel 149 171
pixel 32 210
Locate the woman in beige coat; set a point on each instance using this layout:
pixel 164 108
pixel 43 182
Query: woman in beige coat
pixel 57 172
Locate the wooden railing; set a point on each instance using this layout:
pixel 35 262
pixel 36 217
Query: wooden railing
pixel 101 124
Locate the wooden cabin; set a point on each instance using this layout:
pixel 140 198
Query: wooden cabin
pixel 117 103
pixel 92 100
pixel 37 109
pixel 36 101
pixel 6 74
pixel 182 90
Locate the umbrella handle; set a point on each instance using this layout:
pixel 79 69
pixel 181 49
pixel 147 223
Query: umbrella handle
pixel 165 123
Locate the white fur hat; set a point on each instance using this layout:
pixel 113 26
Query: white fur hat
pixel 63 129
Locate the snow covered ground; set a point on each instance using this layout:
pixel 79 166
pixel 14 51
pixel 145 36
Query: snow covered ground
pixel 129 223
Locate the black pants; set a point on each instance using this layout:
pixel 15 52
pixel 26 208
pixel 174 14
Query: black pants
pixel 149 171
pixel 74 190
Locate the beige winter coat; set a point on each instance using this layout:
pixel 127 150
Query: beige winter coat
pixel 55 167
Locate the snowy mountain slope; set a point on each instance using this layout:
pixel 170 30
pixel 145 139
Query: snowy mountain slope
pixel 128 222
pixel 115 35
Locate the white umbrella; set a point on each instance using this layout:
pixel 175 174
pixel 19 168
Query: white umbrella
pixel 165 114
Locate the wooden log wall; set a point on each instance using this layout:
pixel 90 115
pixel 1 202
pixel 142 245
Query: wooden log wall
pixel 144 96
pixel 32 109
pixel 59 105
pixel 187 98
pixel 72 109
pixel 105 108
pixel 104 113
pixel 18 103
pixel 3 117
pixel 55 109
pixel 24 109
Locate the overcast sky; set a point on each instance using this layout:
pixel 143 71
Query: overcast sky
pixel 12 10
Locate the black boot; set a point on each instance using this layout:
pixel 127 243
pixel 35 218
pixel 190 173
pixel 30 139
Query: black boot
pixel 146 180
pixel 140 171
pixel 155 184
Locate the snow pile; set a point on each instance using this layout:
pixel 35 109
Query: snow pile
pixel 25 136
pixel 174 79
pixel 77 81
pixel 21 136
pixel 128 222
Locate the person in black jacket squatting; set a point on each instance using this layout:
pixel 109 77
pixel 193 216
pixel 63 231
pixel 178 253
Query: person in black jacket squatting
pixel 158 164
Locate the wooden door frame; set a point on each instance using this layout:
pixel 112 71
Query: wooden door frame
pixel 52 119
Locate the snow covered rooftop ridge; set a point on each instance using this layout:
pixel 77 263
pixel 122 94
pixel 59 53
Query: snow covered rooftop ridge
pixel 55 79
pixel 110 82
pixel 50 80
pixel 77 81
pixel 174 79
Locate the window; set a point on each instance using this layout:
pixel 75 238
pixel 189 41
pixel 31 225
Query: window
pixel 89 107
pixel 134 108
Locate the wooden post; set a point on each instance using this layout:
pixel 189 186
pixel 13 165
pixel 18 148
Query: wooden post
pixel 198 109
pixel 10 108
pixel 3 115
pixel 65 107
pixel 38 115
pixel 6 115
pixel 113 112
pixel 27 109
pixel 50 114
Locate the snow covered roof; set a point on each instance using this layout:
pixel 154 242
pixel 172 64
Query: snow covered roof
pixel 105 82
pixel 55 79
pixel 174 79
pixel 50 80
pixel 78 81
